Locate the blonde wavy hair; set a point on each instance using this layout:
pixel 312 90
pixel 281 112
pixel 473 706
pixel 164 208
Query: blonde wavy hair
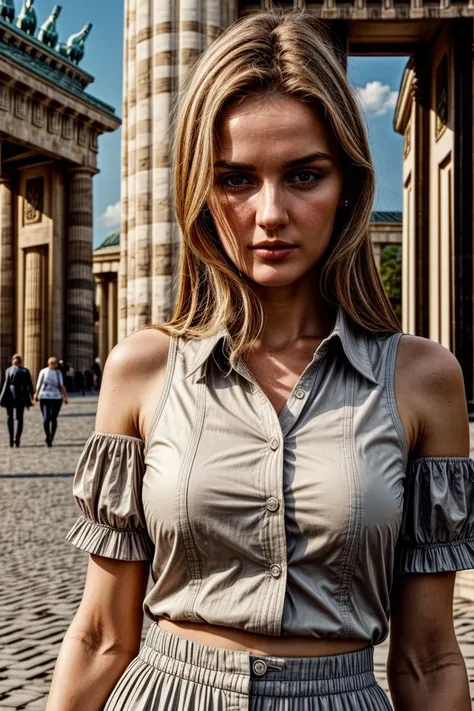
pixel 283 54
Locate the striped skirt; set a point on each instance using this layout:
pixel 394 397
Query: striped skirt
pixel 172 673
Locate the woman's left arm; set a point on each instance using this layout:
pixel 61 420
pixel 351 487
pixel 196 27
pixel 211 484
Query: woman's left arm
pixel 425 668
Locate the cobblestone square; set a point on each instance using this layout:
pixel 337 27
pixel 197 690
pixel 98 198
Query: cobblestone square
pixel 42 574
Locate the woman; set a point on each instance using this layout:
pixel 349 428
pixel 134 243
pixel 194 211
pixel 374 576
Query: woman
pixel 291 466
pixel 51 393
pixel 15 396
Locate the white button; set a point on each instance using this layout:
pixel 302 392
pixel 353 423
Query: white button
pixel 272 504
pixel 275 570
pixel 274 443
pixel 300 394
pixel 259 667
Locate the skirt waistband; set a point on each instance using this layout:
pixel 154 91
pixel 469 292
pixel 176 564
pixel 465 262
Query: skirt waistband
pixel 266 676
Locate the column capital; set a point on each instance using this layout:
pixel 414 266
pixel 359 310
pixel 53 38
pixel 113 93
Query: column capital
pixel 83 169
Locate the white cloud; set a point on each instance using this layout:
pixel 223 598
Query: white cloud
pixel 112 215
pixel 377 98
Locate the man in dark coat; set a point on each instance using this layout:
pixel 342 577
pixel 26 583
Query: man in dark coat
pixel 16 394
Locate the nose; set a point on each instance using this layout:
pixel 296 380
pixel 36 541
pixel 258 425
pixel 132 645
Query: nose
pixel 271 210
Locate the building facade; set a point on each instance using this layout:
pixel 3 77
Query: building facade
pixel 49 129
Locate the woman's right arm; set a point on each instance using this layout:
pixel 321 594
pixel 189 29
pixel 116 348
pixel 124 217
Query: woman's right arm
pixel 105 633
pixel 103 637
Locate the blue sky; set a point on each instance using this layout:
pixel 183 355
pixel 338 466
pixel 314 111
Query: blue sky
pixel 376 79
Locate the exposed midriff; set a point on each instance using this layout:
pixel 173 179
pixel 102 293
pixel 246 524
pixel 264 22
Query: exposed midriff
pixel 240 640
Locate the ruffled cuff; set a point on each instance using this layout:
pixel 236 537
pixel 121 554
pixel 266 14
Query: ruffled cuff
pixel 109 542
pixel 436 557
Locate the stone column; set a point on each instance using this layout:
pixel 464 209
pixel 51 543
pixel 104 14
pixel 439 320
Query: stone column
pixel 103 317
pixel 80 283
pixel 123 268
pixel 33 312
pixel 7 287
pixel 170 55
pixel 163 39
pixel 377 249
pixel 112 317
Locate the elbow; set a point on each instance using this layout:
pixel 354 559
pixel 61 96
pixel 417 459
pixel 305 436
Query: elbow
pixel 424 665
pixel 100 642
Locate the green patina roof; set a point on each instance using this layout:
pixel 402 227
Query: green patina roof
pixel 112 240
pixel 386 216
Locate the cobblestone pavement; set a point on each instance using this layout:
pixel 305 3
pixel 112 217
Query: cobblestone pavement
pixel 42 574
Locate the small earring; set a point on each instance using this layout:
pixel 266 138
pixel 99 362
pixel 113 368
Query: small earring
pixel 346 203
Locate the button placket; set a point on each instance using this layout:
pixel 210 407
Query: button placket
pixel 272 530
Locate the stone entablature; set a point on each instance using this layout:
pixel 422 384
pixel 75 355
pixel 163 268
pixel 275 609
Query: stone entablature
pixel 43 104
pixel 363 10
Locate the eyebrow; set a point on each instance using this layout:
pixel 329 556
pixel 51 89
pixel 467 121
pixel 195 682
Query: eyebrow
pixel 288 164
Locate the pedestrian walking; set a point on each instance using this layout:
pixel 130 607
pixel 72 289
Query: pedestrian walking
pixel 69 378
pixel 16 394
pixel 97 373
pixel 51 393
pixel 292 466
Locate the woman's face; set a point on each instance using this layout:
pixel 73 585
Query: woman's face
pixel 277 178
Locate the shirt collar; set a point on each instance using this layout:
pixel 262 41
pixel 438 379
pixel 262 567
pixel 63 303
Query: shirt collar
pixel 354 344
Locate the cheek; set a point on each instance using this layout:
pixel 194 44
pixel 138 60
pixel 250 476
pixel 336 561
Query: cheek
pixel 241 219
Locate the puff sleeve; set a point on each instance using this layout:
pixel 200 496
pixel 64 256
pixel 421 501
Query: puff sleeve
pixel 107 489
pixel 437 531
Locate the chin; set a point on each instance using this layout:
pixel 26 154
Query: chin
pixel 275 276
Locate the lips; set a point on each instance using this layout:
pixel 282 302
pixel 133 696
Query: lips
pixel 275 244
pixel 273 250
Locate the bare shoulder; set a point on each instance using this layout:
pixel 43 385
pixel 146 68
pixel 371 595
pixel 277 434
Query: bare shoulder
pixel 135 368
pixel 430 392
pixel 140 355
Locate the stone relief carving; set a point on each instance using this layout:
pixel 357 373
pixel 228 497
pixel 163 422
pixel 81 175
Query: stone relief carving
pixel 33 203
pixel 94 142
pixel 82 135
pixel 67 128
pixel 4 97
pixel 20 105
pixel 38 114
pixel 54 121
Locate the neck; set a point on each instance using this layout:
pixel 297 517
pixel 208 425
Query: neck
pixel 295 311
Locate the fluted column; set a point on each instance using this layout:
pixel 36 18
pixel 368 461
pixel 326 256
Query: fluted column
pixel 33 310
pixel 166 50
pixel 124 189
pixel 80 284
pixel 163 40
pixel 130 157
pixel 7 288
pixel 112 313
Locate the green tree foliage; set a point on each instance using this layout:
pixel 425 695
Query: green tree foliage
pixel 391 273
